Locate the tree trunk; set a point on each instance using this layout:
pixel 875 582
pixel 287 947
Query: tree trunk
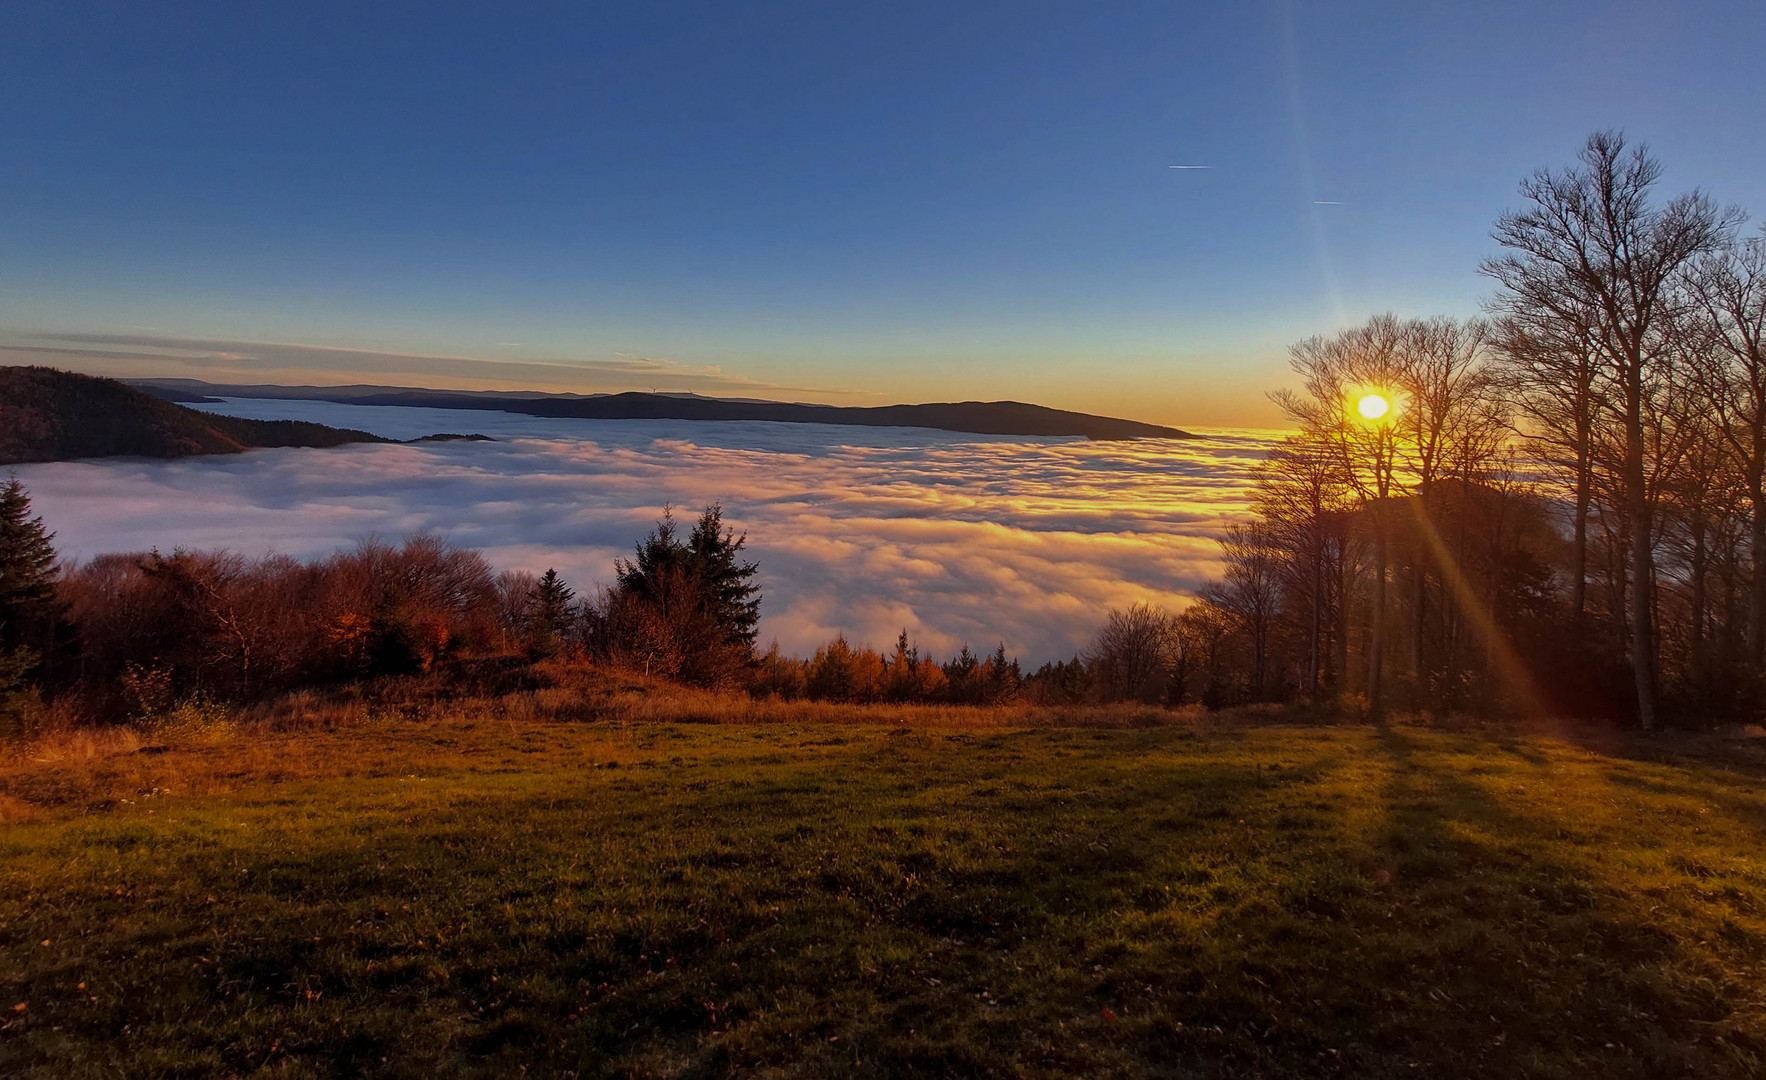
pixel 1419 593
pixel 1757 556
pixel 1260 651
pixel 1700 561
pixel 1579 550
pixel 1345 589
pixel 1317 629
pixel 1643 653
pixel 1618 559
pixel 1449 634
pixel 1729 619
pixel 1377 635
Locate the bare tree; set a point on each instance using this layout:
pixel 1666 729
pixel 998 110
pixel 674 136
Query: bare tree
pixel 1130 657
pixel 1696 479
pixel 1302 503
pixel 1444 423
pixel 514 607
pixel 1549 375
pixel 1729 289
pixel 1336 373
pixel 1251 591
pixel 1591 242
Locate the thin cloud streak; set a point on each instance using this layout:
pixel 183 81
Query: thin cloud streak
pixel 224 360
pixel 857 531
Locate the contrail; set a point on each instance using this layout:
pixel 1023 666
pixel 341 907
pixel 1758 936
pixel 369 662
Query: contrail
pixel 1326 202
pixel 1189 166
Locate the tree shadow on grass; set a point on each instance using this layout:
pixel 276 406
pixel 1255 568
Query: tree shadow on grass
pixel 1521 957
pixel 1709 753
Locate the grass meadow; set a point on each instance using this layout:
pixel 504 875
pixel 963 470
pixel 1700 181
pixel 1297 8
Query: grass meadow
pixel 563 886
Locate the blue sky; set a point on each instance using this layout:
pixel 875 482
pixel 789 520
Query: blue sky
pixel 829 202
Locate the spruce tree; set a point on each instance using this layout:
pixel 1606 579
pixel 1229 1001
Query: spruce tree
pixel 724 581
pixel 27 600
pixel 718 583
pixel 550 606
pixel 658 553
pixel 1004 677
pixel 27 570
pixel 700 593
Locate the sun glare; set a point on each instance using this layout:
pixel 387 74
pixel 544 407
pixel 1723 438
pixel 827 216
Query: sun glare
pixel 1373 406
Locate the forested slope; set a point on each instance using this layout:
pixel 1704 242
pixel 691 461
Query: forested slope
pixel 50 415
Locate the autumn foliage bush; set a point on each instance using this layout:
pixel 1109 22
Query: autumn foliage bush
pixel 155 628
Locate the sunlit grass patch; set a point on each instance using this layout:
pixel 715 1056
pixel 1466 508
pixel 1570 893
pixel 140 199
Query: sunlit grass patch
pixel 478 894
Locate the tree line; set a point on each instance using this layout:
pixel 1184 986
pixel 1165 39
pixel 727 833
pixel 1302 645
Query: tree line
pixel 124 637
pixel 1557 507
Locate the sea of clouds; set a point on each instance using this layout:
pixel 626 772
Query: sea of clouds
pixel 862 531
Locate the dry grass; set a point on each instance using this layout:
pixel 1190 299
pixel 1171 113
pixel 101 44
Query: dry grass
pixel 685 705
pixel 201 750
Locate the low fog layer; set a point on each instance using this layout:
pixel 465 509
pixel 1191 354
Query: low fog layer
pixel 861 531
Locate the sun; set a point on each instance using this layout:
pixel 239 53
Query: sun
pixel 1373 406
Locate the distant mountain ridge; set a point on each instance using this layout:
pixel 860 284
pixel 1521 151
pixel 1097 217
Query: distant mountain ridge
pixel 52 415
pixel 972 417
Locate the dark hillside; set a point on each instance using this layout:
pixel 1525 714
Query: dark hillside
pixel 973 417
pixel 50 415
